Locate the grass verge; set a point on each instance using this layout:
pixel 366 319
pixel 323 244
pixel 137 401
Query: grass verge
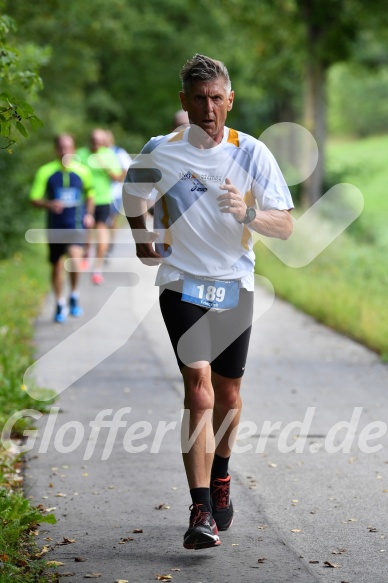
pixel 339 288
pixel 23 283
pixel 345 287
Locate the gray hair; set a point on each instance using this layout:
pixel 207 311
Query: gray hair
pixel 202 68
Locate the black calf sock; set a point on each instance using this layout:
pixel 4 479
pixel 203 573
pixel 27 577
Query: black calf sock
pixel 201 496
pixel 220 467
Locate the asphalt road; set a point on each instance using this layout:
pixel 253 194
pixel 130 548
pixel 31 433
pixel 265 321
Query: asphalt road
pixel 310 498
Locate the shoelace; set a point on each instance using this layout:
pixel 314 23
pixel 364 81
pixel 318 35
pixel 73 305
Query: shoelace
pixel 221 492
pixel 198 516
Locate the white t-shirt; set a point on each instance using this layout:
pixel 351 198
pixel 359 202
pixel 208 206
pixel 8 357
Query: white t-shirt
pixel 201 240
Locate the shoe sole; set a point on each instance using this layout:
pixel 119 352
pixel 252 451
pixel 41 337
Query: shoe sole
pixel 76 314
pixel 201 541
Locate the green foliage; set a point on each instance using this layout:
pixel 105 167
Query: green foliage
pixel 358 104
pixel 116 65
pixel 20 515
pixel 17 521
pixel 23 279
pixel 345 287
pixel 19 77
pixel 363 163
pixel 15 209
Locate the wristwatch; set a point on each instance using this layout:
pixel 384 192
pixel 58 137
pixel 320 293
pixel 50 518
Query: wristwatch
pixel 250 215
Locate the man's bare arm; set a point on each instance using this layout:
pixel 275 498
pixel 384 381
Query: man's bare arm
pixel 271 223
pixel 136 213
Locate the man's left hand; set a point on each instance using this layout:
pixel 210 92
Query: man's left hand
pixel 232 201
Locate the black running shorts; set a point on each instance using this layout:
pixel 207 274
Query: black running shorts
pixel 197 333
pixel 101 213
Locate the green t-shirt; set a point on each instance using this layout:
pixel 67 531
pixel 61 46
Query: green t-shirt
pixel 71 185
pixel 103 159
pixel 48 175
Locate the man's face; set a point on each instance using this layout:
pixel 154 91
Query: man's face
pixel 65 146
pixel 97 140
pixel 207 104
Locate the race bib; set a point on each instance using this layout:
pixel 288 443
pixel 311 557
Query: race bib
pixel 70 196
pixel 211 293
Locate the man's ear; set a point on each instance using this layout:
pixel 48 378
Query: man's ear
pixel 182 98
pixel 230 100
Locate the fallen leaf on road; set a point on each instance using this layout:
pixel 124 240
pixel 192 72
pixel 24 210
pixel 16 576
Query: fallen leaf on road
pixel 332 565
pixel 235 544
pixel 175 569
pixel 338 552
pixel 137 530
pixel 261 560
pixel 60 495
pixel 162 507
pixel 50 509
pixel 66 541
pixel 372 529
pixel 121 581
pixel 273 465
pixel 122 541
pixel 296 530
pixel 79 559
pixel 314 562
pixel 42 552
pixel 163 577
pixel 92 575
pixel 54 564
pixel 262 526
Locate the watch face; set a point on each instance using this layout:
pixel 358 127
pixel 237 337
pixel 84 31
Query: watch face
pixel 250 215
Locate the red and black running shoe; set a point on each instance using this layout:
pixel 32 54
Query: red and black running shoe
pixel 202 532
pixel 222 507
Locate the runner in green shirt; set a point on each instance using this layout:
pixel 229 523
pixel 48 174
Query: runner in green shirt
pixel 64 188
pixel 105 167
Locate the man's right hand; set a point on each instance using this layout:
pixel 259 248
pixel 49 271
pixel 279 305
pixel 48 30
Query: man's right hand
pixel 55 206
pixel 145 251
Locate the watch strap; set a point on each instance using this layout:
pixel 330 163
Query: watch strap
pixel 250 215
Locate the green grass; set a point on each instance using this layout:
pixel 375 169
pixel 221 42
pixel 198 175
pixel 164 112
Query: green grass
pixel 24 280
pixel 364 164
pixel 346 286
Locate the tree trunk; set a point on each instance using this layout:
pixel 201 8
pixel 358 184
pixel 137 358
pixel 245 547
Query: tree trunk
pixel 315 121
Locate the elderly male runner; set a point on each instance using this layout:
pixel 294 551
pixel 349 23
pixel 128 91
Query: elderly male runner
pixel 215 185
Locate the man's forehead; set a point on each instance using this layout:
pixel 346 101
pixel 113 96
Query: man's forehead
pixel 217 85
pixel 65 141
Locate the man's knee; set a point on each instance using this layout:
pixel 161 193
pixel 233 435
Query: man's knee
pixel 198 390
pixel 227 394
